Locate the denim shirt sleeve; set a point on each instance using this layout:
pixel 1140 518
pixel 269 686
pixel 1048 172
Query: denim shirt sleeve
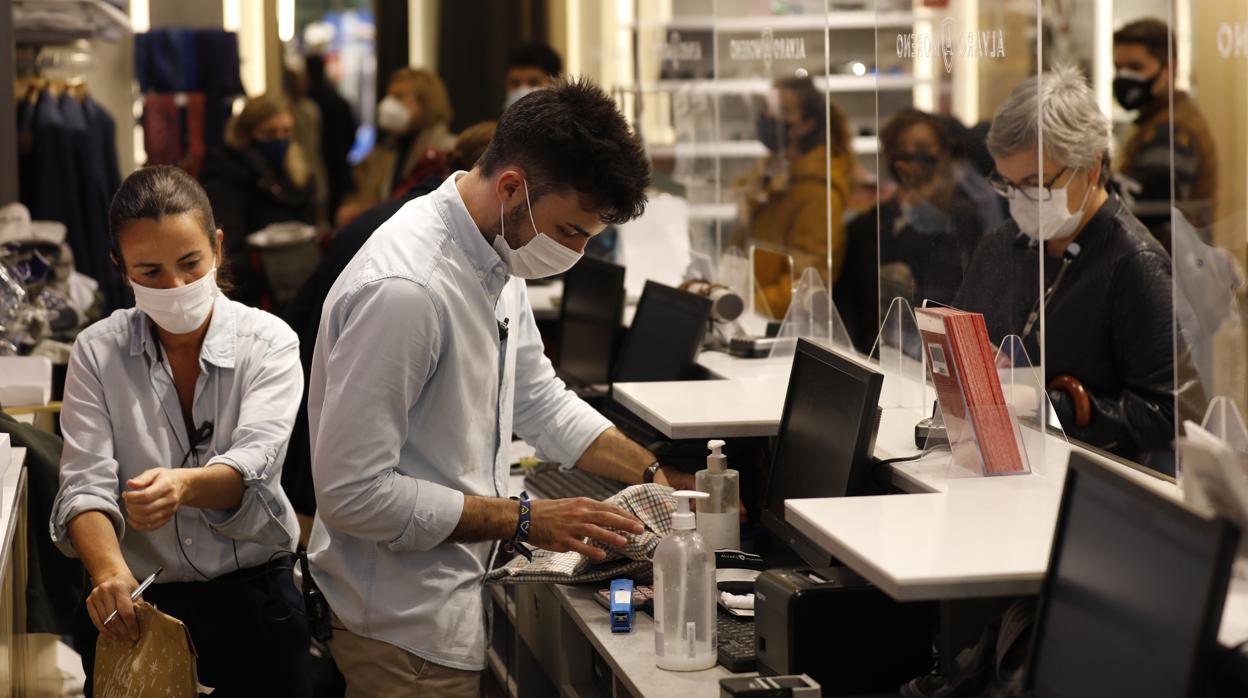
pixel 89 480
pixel 388 338
pixel 557 423
pixel 258 446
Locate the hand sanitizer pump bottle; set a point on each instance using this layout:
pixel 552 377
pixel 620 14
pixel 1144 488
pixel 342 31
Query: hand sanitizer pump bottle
pixel 684 594
pixel 719 517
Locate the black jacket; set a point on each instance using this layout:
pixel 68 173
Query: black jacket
pixel 1109 323
pixel 246 196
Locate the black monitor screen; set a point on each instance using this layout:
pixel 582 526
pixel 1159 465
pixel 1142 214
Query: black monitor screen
pixel 826 430
pixel 1132 596
pixel 663 341
pixel 593 301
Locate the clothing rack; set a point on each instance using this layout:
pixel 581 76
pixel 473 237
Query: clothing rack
pixel 22 24
pixel 62 21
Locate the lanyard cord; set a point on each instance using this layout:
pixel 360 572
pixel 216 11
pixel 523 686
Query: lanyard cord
pixel 1048 294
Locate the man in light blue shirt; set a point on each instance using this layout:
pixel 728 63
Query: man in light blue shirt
pixel 427 359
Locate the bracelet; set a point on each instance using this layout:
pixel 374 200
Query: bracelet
pixel 523 522
pixel 525 519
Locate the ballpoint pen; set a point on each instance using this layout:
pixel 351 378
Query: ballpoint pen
pixel 137 592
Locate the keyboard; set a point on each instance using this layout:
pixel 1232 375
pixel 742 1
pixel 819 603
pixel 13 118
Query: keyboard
pixel 735 637
pixel 549 482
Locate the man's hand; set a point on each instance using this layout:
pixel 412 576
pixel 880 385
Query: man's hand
pixel 154 497
pixel 113 593
pixel 675 479
pixel 562 525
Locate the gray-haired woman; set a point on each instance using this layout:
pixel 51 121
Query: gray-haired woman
pixel 1109 339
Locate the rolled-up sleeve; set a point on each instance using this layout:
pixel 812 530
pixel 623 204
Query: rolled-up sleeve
pixel 88 469
pixel 382 346
pixel 557 423
pixel 270 401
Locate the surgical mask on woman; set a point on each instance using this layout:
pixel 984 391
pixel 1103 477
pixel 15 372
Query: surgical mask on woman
pixel 1049 219
pixel 393 116
pixel 539 257
pixel 179 310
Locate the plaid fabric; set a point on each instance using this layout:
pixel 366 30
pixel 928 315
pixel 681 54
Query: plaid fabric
pixel 651 503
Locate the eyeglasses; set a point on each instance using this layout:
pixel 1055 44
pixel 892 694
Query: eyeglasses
pixel 1005 187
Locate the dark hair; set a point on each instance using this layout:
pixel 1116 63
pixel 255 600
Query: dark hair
pixel 1152 34
pixel 824 112
pixel 537 55
pixel 314 65
pixel 571 137
pixel 902 121
pixel 157 192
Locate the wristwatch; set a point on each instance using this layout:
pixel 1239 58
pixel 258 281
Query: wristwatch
pixel 652 470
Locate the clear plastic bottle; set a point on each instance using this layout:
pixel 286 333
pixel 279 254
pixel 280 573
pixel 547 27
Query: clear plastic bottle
pixel 684 594
pixel 719 517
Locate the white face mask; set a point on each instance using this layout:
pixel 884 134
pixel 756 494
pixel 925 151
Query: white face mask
pixel 539 257
pixel 1046 220
pixel 393 115
pixel 515 93
pixel 179 310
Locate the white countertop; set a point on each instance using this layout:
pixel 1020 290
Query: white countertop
pixel 953 536
pixel 12 481
pixel 713 409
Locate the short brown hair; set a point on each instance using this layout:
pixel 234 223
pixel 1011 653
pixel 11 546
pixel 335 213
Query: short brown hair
pixel 1152 34
pixel 435 105
pixel 470 146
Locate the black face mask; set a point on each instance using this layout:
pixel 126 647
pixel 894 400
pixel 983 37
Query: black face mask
pixel 923 166
pixel 1134 93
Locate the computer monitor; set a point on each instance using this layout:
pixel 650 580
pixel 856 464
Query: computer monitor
pixel 662 343
pixel 1134 591
pixel 589 317
pixel 827 437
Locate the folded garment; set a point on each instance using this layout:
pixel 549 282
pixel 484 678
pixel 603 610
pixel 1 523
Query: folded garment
pixel 653 504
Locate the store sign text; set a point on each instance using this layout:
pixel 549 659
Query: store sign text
pixel 1233 39
pixel 767 48
pixel 972 45
pixel 675 50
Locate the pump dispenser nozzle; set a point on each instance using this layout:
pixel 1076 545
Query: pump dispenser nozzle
pixel 684 519
pixel 717 462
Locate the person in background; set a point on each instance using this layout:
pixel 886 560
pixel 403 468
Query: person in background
pixel 1144 83
pixel 338 126
pixel 258 177
pixel 304 312
pixel 788 210
pixel 308 128
pixel 413 119
pixel 530 67
pixel 1108 335
pixel 427 360
pixel 920 240
pixel 176 418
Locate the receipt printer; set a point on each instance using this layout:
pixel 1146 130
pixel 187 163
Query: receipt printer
pixel 834 626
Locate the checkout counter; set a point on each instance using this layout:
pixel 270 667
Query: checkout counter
pixel 963 543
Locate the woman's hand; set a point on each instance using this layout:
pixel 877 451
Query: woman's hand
pixel 113 593
pixel 154 497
